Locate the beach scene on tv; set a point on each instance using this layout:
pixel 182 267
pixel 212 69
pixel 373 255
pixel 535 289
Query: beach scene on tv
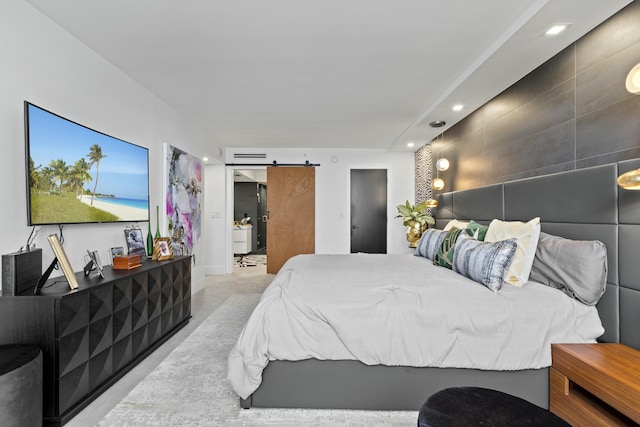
pixel 79 175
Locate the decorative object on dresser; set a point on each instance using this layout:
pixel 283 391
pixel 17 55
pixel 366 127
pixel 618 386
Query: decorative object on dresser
pixel 90 337
pixel 63 261
pixel 162 248
pixel 20 271
pixel 117 251
pixel 595 384
pixel 94 263
pixel 126 262
pixel 135 241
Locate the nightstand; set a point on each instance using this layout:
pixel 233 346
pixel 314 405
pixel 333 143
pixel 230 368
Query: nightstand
pixel 595 384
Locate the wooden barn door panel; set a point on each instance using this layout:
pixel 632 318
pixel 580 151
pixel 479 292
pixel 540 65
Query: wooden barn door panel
pixel 291 211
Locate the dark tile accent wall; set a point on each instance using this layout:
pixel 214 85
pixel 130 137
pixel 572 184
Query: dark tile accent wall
pixel 570 113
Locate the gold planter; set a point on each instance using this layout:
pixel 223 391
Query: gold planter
pixel 414 232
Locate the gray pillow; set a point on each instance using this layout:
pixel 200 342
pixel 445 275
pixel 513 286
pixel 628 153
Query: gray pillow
pixel 483 262
pixel 576 267
pixel 430 243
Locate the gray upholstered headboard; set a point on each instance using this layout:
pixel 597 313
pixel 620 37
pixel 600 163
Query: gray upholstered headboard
pixel 584 204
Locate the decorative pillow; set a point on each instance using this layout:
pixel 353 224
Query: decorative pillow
pixel 477 231
pixel 444 256
pixel 526 235
pixel 576 267
pixel 455 223
pixel 430 243
pixel 483 262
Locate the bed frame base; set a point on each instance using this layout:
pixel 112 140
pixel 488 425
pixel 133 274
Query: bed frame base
pixel 348 384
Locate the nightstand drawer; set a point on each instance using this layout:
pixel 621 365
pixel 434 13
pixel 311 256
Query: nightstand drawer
pixel 595 384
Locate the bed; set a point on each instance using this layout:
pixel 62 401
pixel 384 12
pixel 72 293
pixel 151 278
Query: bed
pixel 596 211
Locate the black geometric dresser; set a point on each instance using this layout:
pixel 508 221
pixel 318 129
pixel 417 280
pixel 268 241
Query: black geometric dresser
pixel 92 336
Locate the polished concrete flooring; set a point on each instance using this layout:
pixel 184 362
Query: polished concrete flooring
pixel 248 280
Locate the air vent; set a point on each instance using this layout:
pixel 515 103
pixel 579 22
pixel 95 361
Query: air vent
pixel 249 156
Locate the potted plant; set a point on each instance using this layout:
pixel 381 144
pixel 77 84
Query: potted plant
pixel 416 219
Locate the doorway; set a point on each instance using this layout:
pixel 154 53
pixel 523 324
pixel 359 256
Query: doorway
pixel 249 208
pixel 369 211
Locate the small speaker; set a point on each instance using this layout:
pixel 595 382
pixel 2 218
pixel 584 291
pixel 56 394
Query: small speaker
pixel 21 271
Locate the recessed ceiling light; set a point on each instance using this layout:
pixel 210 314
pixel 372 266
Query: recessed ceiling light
pixel 437 123
pixel 410 144
pixel 457 107
pixel 556 29
pixel 205 159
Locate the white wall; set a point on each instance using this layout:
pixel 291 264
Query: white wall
pixel 332 198
pixel 45 65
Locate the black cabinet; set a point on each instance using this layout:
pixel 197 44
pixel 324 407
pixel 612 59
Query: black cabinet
pixel 93 335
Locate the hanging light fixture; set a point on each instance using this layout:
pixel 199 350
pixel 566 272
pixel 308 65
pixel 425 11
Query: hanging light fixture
pixel 633 80
pixel 630 180
pixel 437 184
pixel 432 203
pixel 441 165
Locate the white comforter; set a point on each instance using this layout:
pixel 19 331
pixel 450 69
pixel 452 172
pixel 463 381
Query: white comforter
pixel 402 310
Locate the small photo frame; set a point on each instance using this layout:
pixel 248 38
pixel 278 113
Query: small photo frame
pixel 117 251
pixel 162 248
pixel 135 241
pixel 96 263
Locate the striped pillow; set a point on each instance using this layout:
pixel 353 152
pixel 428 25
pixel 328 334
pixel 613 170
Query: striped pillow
pixel 430 243
pixel 483 262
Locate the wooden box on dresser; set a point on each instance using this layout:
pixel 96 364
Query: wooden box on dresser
pixel 91 336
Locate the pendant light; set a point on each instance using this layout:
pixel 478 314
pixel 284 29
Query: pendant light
pixel 631 180
pixel 442 164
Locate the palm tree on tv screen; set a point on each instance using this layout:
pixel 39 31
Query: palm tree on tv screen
pixel 60 170
pixel 78 175
pixel 95 155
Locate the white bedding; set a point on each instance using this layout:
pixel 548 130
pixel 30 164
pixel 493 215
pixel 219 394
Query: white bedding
pixel 402 310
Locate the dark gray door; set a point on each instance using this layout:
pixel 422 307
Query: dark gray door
pixel 369 211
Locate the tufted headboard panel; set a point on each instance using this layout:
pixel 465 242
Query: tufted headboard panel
pixel 584 204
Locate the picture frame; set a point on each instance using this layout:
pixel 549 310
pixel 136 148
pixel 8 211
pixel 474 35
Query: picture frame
pixel 63 261
pixel 135 241
pixel 162 248
pixel 96 261
pixel 116 251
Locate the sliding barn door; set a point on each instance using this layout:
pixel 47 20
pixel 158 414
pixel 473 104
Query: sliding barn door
pixel 291 219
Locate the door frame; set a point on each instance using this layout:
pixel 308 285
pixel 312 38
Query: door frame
pixel 229 204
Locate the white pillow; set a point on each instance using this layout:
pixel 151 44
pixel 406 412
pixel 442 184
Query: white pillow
pixel 526 235
pixel 455 223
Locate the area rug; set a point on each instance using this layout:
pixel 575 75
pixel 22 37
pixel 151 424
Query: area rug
pixel 249 260
pixel 189 387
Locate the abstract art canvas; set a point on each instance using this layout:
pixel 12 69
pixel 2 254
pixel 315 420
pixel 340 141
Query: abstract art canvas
pixel 183 200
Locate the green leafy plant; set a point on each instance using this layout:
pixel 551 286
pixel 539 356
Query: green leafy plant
pixel 415 215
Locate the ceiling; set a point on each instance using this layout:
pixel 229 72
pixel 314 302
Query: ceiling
pixel 325 73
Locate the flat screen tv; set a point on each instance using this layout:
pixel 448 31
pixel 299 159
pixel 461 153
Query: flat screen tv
pixel 78 175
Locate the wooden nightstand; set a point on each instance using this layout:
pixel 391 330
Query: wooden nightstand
pixel 595 384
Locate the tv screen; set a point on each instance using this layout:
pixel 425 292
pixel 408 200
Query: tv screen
pixel 78 175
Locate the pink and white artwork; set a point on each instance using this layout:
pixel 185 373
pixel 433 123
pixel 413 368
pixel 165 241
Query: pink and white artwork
pixel 183 200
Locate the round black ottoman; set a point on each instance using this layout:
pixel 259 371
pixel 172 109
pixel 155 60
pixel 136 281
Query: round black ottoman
pixel 20 385
pixel 473 406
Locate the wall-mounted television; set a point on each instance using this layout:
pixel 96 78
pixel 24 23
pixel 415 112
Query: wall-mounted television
pixel 78 175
